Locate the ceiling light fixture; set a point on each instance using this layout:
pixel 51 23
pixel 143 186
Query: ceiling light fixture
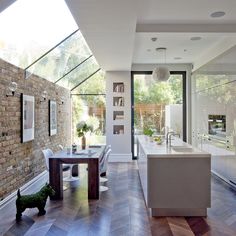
pixel 154 39
pixel 161 73
pixel 217 14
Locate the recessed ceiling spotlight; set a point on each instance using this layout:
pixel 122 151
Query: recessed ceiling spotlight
pixel 177 58
pixel 195 38
pixel 185 50
pixel 154 39
pixel 148 50
pixel 217 14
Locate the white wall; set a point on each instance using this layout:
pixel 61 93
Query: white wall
pixel 121 144
pixel 174 118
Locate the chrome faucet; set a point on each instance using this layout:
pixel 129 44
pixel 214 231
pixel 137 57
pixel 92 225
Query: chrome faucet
pixel 168 137
pixel 165 130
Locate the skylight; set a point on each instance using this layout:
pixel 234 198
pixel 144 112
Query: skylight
pixel 29 28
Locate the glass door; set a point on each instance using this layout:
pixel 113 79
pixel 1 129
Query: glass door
pixel 158 106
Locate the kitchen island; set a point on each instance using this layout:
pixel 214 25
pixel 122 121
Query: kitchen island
pixel 176 179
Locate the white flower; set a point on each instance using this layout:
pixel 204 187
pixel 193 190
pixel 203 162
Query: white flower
pixel 80 125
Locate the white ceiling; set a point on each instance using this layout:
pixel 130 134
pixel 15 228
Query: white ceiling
pixel 180 49
pixel 109 29
pixel 185 11
pixel 119 32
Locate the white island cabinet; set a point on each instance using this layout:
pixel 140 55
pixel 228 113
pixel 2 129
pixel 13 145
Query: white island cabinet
pixel 176 180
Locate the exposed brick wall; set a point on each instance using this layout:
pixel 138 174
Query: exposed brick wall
pixel 26 158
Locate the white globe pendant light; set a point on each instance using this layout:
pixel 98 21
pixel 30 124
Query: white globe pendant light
pixel 161 73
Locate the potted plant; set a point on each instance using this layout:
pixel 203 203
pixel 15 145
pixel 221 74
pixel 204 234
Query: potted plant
pixel 148 132
pixel 82 128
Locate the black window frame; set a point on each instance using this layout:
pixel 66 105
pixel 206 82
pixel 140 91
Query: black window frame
pixel 183 73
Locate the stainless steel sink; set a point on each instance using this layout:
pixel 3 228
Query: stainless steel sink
pixel 182 149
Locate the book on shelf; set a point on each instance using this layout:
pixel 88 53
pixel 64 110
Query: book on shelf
pixel 119 117
pixel 121 102
pixel 119 88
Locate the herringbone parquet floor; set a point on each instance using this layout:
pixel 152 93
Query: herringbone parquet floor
pixel 120 211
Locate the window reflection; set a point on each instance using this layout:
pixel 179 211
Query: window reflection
pixel 214 113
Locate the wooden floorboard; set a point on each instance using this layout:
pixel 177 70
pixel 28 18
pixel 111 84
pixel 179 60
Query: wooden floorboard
pixel 120 211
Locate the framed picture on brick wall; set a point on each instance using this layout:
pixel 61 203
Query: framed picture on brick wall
pixel 27 118
pixel 52 117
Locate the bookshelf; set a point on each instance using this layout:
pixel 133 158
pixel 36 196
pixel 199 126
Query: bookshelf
pixel 118 129
pixel 118 115
pixel 118 108
pixel 118 118
pixel 118 101
pixel 118 87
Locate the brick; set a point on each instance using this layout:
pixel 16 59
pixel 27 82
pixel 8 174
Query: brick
pixel 26 158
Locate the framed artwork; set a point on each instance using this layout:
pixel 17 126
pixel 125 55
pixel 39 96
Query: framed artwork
pixel 27 118
pixel 52 117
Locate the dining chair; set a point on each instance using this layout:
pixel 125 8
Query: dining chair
pixel 102 167
pixel 47 153
pixel 69 178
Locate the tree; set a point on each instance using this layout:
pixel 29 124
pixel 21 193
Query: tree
pixel 176 84
pixel 154 96
pixel 161 93
pixel 91 106
pixel 140 91
pixel 94 85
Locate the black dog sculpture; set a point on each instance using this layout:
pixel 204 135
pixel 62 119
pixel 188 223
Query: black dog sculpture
pixel 38 200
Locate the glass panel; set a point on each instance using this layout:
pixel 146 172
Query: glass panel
pixel 204 81
pixel 62 59
pixel 219 71
pixel 91 109
pixel 30 28
pixel 79 74
pixel 214 113
pixel 157 106
pixel 94 85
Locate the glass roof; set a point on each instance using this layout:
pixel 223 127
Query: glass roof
pixel 81 73
pixel 94 85
pixel 62 59
pixel 29 28
pixel 46 44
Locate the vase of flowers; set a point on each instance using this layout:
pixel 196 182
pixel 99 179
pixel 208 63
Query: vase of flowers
pixel 82 128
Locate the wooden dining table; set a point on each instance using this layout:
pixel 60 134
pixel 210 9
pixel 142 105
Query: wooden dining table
pixel 80 157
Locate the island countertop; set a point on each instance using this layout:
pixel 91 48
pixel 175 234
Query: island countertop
pixel 176 150
pixel 176 179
